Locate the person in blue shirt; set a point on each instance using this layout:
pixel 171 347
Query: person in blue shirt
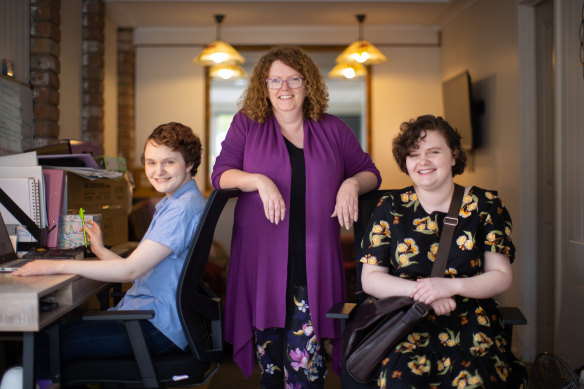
pixel 172 154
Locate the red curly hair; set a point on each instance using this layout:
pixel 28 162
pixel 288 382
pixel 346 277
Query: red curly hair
pixel 255 102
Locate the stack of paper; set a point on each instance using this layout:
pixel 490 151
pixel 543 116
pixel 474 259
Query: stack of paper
pixel 21 178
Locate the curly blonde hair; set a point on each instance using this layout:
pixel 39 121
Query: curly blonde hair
pixel 255 102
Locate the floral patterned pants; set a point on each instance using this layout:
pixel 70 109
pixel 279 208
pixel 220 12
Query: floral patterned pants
pixel 290 357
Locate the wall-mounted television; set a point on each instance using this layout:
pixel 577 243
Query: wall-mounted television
pixel 460 110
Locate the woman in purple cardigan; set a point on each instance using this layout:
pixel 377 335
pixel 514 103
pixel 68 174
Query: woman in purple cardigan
pixel 300 171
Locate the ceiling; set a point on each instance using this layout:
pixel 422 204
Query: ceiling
pixel 240 13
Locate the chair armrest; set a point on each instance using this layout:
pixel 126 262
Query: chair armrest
pixel 512 316
pixel 136 337
pixel 119 315
pixel 341 311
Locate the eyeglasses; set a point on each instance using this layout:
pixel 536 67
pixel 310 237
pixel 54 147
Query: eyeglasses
pixel 292 82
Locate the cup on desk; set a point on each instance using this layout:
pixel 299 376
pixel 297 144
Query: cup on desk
pixel 71 230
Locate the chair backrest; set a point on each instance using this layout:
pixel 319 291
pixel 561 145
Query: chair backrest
pixel 367 203
pixel 199 308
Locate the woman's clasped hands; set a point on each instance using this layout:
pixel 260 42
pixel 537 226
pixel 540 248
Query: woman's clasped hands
pixel 435 292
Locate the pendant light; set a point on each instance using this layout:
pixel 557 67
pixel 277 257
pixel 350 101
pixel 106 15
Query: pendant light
pixel 227 71
pixel 361 51
pixel 348 70
pixel 218 51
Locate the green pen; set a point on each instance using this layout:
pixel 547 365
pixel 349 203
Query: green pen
pixel 82 215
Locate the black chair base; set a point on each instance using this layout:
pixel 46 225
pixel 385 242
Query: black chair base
pixel 172 369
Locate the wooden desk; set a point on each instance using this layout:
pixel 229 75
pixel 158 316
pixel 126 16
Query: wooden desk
pixel 19 307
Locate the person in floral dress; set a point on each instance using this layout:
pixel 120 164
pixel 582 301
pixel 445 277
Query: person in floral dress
pixel 461 343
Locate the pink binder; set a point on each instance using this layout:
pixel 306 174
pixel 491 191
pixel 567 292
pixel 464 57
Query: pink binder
pixel 54 192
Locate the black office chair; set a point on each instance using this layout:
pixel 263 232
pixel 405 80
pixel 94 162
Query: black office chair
pixel 367 203
pixel 200 314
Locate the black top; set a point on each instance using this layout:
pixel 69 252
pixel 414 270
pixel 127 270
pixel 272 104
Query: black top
pixel 297 213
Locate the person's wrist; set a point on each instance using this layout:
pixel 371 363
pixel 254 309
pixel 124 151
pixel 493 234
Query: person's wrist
pixel 258 180
pixel 60 267
pixel 97 249
pixel 352 181
pixel 413 287
pixel 458 287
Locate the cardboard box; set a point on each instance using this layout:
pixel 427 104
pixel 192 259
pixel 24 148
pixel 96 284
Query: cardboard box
pixel 114 227
pixel 103 193
pixel 110 198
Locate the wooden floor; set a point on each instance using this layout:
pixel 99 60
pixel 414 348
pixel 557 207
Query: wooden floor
pixel 229 376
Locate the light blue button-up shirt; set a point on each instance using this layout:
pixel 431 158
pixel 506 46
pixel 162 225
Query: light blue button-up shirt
pixel 173 225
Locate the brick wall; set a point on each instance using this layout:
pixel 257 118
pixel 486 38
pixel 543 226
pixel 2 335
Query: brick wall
pixel 92 70
pixel 126 77
pixel 45 38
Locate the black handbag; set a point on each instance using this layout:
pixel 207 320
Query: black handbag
pixel 379 324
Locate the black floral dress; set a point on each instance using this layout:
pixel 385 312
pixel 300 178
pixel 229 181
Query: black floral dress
pixel 466 348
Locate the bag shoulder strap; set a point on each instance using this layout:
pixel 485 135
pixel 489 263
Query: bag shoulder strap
pixel 450 222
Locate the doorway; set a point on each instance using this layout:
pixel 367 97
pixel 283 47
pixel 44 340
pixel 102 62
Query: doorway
pixel 545 108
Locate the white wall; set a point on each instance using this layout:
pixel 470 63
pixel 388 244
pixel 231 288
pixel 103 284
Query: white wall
pixel 169 88
pixel 403 88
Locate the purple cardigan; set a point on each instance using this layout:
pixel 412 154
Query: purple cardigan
pixel 256 285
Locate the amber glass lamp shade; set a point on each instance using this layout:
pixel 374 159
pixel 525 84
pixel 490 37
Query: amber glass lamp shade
pixel 227 71
pixel 348 71
pixel 218 52
pixel 362 52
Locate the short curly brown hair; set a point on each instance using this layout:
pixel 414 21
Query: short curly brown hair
pixel 181 138
pixel 412 132
pixel 255 102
